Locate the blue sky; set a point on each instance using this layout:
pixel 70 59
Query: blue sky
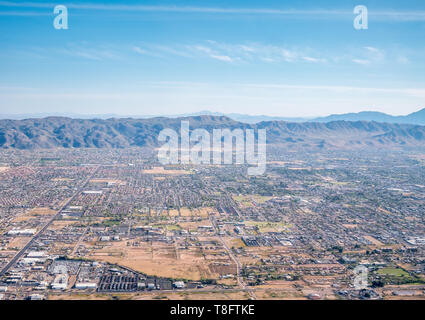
pixel 283 58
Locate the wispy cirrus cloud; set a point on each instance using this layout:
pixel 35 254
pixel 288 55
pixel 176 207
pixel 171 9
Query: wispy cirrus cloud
pixel 361 61
pixel 249 53
pixel 173 8
pixel 232 53
pixel 90 53
pixel 370 55
pixel 80 50
pixel 24 13
pixel 221 58
pixel 381 15
pixel 315 60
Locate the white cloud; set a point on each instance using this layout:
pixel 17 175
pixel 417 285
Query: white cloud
pixel 222 58
pixel 375 54
pixel 372 49
pixel 361 61
pixel 310 59
pixel 238 53
pixel 140 50
pixel 247 48
pixel 254 52
pixel 202 48
pixel 88 53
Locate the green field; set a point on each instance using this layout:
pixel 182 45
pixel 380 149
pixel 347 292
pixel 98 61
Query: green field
pixel 264 226
pixel 247 200
pixel 397 276
pixel 394 272
pixel 168 227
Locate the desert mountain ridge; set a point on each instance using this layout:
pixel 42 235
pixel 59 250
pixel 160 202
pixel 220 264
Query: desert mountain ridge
pixel 62 132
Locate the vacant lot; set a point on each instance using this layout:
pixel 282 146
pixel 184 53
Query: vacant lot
pixel 373 240
pixel 159 259
pixel 18 243
pixel 30 215
pixel 41 212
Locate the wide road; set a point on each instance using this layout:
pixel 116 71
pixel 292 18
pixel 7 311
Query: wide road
pixel 22 251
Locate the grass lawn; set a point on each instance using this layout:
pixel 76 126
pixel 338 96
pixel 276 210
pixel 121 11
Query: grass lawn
pixel 247 200
pixel 395 272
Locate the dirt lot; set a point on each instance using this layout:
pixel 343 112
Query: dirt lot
pixel 41 212
pixel 198 212
pixel 158 259
pixel 185 212
pixel 60 224
pixel 18 242
pixel 173 213
pixel 373 240
pixel 35 212
pixel 193 225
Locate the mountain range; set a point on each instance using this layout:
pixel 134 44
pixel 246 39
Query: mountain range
pixel 412 118
pixel 62 132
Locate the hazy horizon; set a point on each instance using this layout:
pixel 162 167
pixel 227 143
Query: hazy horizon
pixel 201 112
